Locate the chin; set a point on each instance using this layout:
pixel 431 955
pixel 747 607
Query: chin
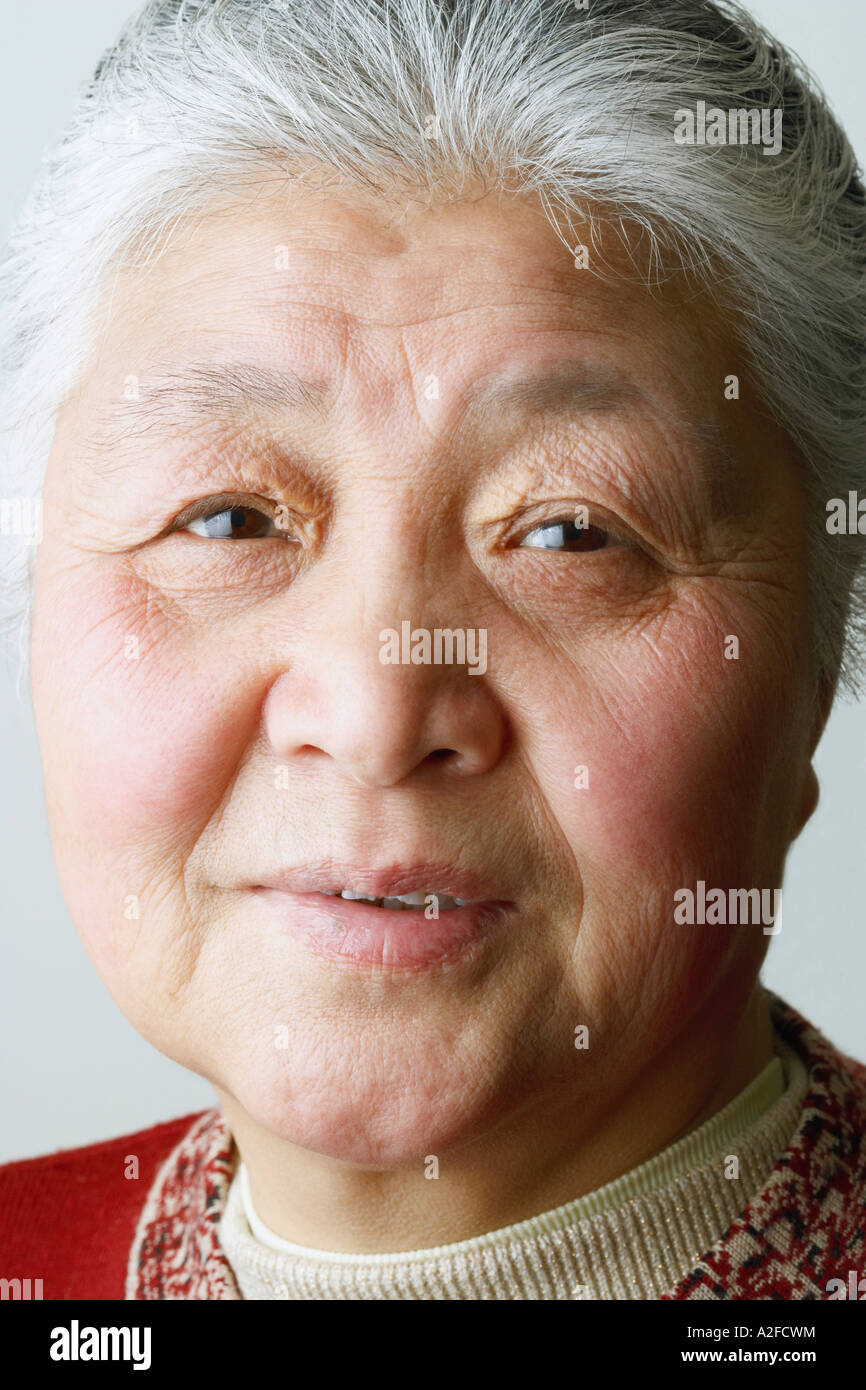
pixel 363 1114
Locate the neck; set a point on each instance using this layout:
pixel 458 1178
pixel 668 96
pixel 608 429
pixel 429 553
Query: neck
pixel 557 1149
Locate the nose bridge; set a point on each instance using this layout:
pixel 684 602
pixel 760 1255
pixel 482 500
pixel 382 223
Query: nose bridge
pixel 404 566
pixel 396 636
pixel 393 677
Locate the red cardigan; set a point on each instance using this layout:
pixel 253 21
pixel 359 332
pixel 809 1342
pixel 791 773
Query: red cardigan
pixel 56 1223
pixel 75 1221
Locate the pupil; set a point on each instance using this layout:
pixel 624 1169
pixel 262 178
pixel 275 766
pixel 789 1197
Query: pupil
pixel 586 538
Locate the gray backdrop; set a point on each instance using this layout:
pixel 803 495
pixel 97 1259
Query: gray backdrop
pixel 72 1069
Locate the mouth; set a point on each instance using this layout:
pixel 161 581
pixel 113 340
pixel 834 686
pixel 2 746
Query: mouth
pixel 445 913
pixel 402 902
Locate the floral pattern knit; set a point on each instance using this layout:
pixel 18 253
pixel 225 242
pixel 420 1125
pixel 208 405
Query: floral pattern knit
pixel 804 1227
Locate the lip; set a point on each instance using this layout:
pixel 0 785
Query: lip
pixel 390 881
pixel 359 934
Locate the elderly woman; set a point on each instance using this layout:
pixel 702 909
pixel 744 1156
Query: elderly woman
pixel 452 417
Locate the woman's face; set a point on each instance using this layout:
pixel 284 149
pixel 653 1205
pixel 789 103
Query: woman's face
pixel 223 742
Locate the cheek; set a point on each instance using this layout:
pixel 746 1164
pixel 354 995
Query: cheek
pixel 677 757
pixel 684 769
pixel 141 717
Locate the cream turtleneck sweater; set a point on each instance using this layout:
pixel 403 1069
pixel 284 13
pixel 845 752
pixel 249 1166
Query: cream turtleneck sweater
pixel 634 1238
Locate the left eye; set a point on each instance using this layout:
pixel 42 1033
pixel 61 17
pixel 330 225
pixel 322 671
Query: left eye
pixel 567 535
pixel 234 523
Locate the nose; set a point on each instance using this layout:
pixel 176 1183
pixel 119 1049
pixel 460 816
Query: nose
pixel 380 721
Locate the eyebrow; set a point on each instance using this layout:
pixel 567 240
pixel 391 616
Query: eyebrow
pixel 178 396
pixel 594 387
pixel 175 397
pixel 569 386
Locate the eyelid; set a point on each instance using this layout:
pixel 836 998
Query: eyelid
pixel 219 502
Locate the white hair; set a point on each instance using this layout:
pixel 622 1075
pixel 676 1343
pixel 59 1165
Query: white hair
pixel 574 104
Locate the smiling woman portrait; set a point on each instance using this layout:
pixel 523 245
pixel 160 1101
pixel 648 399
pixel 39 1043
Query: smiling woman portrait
pixel 437 408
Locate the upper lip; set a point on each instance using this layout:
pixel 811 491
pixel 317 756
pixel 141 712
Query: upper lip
pixel 386 882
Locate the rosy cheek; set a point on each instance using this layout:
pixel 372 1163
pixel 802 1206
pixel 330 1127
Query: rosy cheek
pixel 145 713
pixel 669 761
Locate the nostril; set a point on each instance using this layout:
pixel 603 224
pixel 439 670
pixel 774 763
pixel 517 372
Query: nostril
pixel 443 753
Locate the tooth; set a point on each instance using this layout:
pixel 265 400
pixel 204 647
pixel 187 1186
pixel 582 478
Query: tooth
pixel 409 901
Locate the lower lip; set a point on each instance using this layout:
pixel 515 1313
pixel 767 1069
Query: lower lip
pixel 357 933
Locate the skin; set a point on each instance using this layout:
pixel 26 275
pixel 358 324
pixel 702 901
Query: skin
pixel 258 653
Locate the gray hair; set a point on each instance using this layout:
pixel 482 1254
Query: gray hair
pixel 572 100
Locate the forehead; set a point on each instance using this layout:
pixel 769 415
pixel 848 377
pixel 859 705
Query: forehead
pixel 320 281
